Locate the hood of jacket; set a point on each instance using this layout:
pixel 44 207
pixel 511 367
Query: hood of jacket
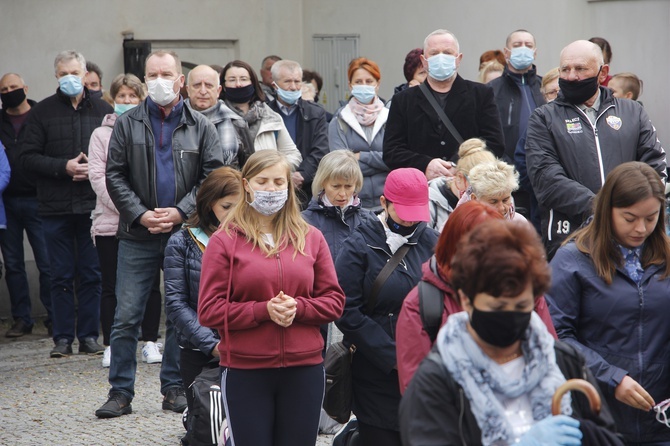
pixel 109 120
pixel 431 275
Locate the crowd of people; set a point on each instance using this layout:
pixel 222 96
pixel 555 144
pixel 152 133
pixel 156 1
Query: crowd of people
pixel 532 208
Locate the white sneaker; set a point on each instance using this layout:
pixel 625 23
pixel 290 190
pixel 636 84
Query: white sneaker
pixel 151 353
pixel 107 356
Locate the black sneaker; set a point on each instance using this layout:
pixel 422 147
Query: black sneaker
pixel 91 346
pixel 19 328
pixel 175 399
pixel 117 404
pixel 62 348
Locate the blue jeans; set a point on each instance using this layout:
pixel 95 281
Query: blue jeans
pixel 72 256
pixel 137 267
pixel 22 215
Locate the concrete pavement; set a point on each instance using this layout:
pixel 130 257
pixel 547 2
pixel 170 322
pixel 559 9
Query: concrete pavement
pixel 52 401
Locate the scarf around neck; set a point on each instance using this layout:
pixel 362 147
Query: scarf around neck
pixel 480 376
pixel 366 114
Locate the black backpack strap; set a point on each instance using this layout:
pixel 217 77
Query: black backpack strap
pixel 431 307
pixel 384 274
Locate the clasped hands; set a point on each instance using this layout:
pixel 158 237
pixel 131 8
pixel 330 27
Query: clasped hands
pixel 282 309
pixel 77 167
pixel 161 220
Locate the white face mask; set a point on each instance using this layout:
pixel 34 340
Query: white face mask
pixel 661 409
pixel 269 202
pixel 161 91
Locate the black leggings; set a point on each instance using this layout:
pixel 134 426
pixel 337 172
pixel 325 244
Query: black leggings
pixel 108 249
pixel 273 407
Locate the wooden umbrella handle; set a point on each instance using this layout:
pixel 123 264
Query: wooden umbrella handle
pixel 576 384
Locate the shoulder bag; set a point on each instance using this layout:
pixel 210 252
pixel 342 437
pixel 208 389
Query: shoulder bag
pixel 338 395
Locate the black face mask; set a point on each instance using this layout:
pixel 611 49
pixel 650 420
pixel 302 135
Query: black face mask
pixel 578 92
pixel 500 328
pixel 398 228
pixel 215 220
pixel 95 94
pixel 240 95
pixel 13 98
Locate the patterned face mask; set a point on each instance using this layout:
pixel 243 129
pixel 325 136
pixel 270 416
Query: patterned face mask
pixel 661 414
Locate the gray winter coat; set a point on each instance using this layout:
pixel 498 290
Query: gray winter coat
pixel 344 132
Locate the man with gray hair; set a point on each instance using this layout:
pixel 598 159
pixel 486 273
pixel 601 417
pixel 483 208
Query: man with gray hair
pixel 266 75
pixel 576 140
pixel 416 134
pixel 55 151
pixel 203 86
pixel 304 120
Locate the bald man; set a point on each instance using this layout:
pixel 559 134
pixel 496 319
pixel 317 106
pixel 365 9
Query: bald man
pixel 20 200
pixel 203 96
pixel 576 140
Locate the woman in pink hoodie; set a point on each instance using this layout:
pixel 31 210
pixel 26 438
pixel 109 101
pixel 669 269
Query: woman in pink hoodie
pixel 267 284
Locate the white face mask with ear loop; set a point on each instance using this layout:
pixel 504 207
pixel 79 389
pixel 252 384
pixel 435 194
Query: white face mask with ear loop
pixel 161 91
pixel 661 415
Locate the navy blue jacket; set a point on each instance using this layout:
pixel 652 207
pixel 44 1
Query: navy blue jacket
pixel 510 101
pixel 622 329
pixel 183 260
pixel 335 225
pixel 374 366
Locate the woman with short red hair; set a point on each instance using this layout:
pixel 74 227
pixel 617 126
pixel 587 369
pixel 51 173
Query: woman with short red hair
pixel 359 126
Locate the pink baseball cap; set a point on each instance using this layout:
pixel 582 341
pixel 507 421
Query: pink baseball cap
pixel 407 189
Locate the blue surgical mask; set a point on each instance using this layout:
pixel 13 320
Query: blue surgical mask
pixel 441 66
pixel 70 85
pixel 288 96
pixel 120 109
pixel 522 57
pixel 364 93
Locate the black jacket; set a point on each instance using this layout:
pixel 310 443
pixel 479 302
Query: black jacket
pixel 568 159
pixel 435 411
pixel 131 165
pixel 22 182
pixel 415 134
pixel 374 365
pixel 312 136
pixel 508 99
pixel 55 133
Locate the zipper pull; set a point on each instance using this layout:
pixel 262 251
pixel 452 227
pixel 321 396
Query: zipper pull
pixel 181 154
